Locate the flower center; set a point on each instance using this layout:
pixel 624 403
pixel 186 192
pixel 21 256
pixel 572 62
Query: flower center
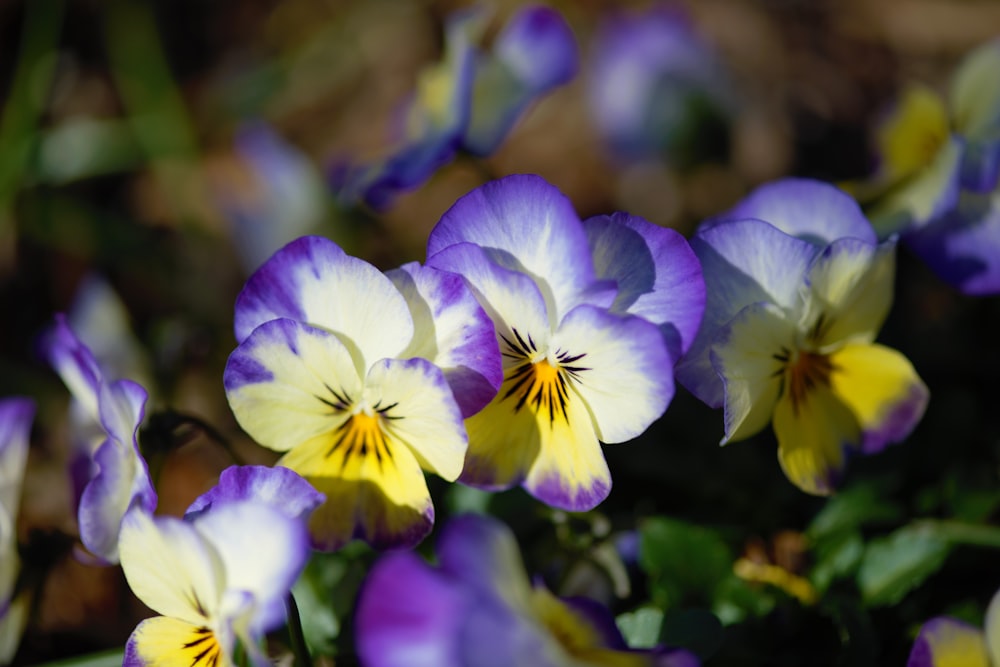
pixel 803 372
pixel 362 435
pixel 538 381
pixel 202 648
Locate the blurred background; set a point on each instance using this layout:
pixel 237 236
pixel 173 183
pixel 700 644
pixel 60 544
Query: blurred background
pixel 157 152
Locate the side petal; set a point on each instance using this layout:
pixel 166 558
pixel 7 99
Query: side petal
pixel 534 53
pixel 511 299
pixel 963 247
pixel 163 641
pixel 381 499
pixel 945 642
pixel 658 275
pixel 743 262
pixel 810 210
pixel 882 390
pixel 851 286
pixel 312 280
pixel 419 410
pixel 525 224
pixel 452 331
pixel 75 364
pixel 278 487
pixel 813 436
pixel 171 567
pixel 264 568
pixel 750 355
pixel 408 615
pixel 289 382
pixel 623 370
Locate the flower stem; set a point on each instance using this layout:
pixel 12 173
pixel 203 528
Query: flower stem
pixel 296 635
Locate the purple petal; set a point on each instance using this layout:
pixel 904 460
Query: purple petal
pixel 743 262
pixel 16 414
pixel 658 275
pixel 813 211
pixel 278 487
pixel 963 247
pixel 481 552
pixel 946 641
pixel 74 362
pixel 409 615
pixel 453 331
pixel 524 223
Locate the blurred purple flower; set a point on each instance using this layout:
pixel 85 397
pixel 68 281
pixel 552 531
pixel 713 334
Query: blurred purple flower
pixel 947 642
pixel 16 414
pixel 478 608
pixel 656 88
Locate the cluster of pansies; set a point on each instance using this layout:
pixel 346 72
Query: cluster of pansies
pixel 527 340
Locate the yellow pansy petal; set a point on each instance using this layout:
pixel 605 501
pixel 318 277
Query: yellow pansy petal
pixel 375 489
pixel 171 567
pixel 945 642
pixel 168 642
pixel 813 430
pixel 881 389
pixel 975 93
pixel 911 136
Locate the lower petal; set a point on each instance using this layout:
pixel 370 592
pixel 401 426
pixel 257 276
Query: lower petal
pixel 881 388
pixel 167 642
pixel 945 642
pixel 813 434
pixel 380 499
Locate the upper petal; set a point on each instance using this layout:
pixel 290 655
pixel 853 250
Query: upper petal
pixel 974 94
pixel 524 223
pixel 285 381
pixel 75 364
pixel 881 388
pixel 750 354
pixel 811 210
pixel 452 331
pixel 263 549
pixel 657 273
pixel 278 487
pixel 312 280
pixel 963 247
pixel 743 262
pixel 171 567
pixel 850 291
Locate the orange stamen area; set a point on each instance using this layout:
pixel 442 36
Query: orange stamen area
pixel 805 372
pixel 201 649
pixel 540 386
pixel 360 437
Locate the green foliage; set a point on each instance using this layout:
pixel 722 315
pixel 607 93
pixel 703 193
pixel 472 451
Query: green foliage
pixel 894 565
pixel 641 628
pixel 685 562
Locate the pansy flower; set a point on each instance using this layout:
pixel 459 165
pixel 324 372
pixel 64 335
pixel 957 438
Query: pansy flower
pixel 948 642
pixel 589 316
pixel 15 428
pixel 797 292
pixel 478 608
pixel 469 101
pixel 938 181
pixel 362 381
pixel 117 477
pixel 656 89
pixel 220 576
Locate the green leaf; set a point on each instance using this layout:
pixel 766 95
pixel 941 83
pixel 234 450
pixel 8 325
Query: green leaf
pixel 683 561
pixel 313 594
pixel 736 599
pixel 849 509
pixel 837 558
pixel 641 628
pixel 894 565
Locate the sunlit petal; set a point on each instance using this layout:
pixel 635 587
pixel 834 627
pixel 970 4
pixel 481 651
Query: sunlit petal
pixel 374 486
pixel 417 406
pixel 278 487
pixel 658 275
pixel 452 331
pixel 623 370
pixel 963 247
pixel 169 642
pixel 813 434
pixel 807 209
pixel 312 280
pixel 171 567
pixel 523 223
pixel 851 288
pixel 511 299
pixel 263 568
pixel 743 263
pixel 945 642
pixel 286 381
pixel 881 388
pixel 750 354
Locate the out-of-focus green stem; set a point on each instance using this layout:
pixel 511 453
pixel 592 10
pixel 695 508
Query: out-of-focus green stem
pixel 298 638
pixel 959 532
pixel 24 103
